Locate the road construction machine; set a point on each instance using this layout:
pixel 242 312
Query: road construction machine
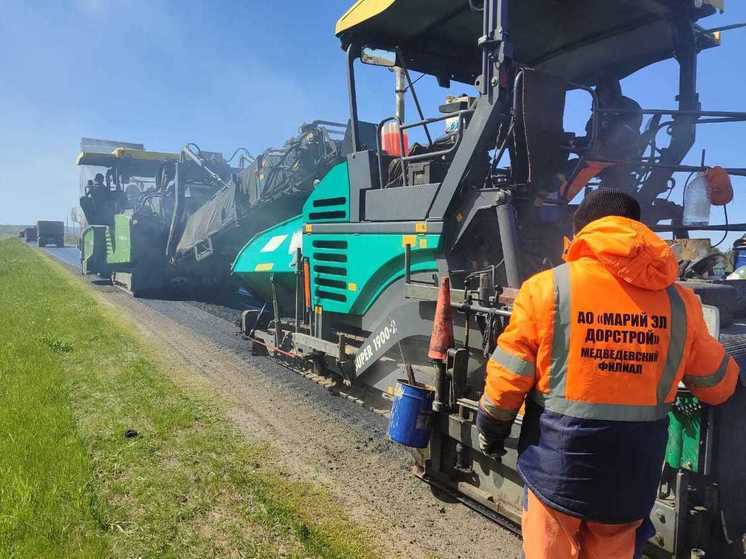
pixel 176 220
pixel 351 283
pixel 132 207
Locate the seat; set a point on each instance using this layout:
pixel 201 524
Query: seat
pixel 536 152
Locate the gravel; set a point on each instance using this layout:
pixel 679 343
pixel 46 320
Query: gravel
pixel 321 438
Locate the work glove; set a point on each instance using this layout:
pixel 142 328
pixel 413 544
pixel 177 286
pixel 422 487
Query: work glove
pixel 492 434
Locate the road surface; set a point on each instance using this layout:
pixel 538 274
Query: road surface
pixel 69 255
pixel 323 438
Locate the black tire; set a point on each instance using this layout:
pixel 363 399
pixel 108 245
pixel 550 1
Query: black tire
pixel 724 297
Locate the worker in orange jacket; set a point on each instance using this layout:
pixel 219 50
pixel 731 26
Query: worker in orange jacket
pixel 596 348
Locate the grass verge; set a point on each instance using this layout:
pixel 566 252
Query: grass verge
pixel 101 455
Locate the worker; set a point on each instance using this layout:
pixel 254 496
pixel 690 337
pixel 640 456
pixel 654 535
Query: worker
pixel 596 349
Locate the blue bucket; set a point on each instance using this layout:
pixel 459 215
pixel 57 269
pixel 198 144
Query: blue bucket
pixel 739 253
pixel 410 415
pixel 740 257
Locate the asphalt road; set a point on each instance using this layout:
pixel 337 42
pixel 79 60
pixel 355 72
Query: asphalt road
pixel 453 531
pixel 69 255
pixel 323 438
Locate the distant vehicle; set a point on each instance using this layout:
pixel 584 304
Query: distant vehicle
pixel 50 233
pixel 21 233
pixel 30 234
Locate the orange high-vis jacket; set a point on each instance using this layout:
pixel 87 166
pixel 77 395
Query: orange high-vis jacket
pixel 608 335
pixel 597 348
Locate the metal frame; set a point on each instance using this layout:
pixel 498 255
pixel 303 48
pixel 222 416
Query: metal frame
pixel 422 156
pixel 409 306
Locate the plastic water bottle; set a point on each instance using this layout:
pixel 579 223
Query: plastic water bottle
pixel 696 202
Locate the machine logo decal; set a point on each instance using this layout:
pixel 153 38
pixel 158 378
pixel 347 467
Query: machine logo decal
pixel 376 342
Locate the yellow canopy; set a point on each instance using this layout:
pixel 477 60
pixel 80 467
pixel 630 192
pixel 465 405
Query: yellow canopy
pixel 359 12
pixel 144 155
pixel 129 162
pixel 118 154
pixel 579 40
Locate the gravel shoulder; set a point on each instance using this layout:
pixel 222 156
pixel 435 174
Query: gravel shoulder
pixel 319 437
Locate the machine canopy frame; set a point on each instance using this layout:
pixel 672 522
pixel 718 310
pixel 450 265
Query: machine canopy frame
pixel 441 37
pixel 130 162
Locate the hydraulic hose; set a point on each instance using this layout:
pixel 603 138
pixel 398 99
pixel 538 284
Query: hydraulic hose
pixel 176 215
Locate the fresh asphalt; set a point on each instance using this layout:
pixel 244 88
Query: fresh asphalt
pixel 443 525
pixel 216 323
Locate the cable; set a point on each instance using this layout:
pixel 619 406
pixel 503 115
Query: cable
pixel 725 234
pixel 414 82
pixel 683 193
pixel 243 150
pixel 477 272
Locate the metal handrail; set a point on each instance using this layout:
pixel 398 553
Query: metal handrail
pixel 673 112
pixel 423 156
pixel 648 164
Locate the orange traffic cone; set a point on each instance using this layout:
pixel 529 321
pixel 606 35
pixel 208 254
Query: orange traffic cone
pixel 442 337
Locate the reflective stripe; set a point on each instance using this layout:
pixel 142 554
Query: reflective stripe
pixel 676 344
pixel 603 412
pixel 498 413
pixel 708 381
pixel 556 401
pixel 561 335
pixel 513 363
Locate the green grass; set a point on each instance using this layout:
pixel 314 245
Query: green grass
pixel 72 382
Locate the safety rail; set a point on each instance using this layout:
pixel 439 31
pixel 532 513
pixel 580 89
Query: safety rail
pixel 653 157
pixel 332 127
pixel 422 156
pixel 652 161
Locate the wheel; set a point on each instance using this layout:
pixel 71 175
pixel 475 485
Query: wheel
pixel 724 297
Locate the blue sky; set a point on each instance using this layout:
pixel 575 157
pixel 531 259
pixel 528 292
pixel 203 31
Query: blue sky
pixel 227 74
